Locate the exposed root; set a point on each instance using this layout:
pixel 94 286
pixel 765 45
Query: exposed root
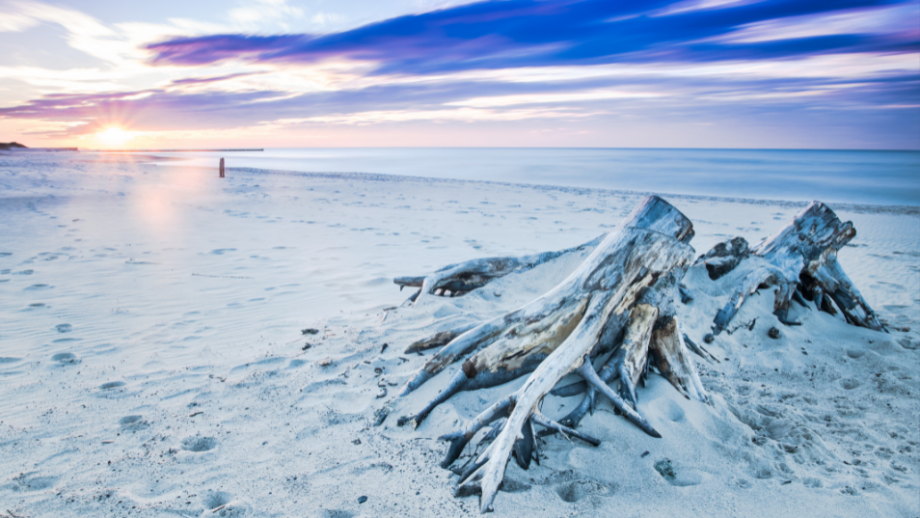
pixel 438 340
pixel 621 300
pixel 513 344
pixel 671 355
pixel 801 262
pixel 460 279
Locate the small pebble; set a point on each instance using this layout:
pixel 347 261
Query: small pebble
pixel 709 338
pixel 324 362
pixel 309 331
pixel 362 499
pixel 773 333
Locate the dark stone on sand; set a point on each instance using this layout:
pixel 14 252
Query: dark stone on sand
pixel 773 333
pixel 362 499
pixel 709 338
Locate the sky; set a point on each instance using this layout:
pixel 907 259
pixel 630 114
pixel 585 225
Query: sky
pixel 841 74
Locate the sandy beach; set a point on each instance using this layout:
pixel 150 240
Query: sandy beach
pixel 153 359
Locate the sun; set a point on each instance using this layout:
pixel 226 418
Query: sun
pixel 114 136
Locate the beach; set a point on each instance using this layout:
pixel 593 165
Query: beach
pixel 177 344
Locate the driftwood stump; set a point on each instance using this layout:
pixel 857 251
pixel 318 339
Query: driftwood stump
pixel 800 261
pixel 621 300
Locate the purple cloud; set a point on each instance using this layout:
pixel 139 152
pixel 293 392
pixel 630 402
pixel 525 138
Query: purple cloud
pixel 671 65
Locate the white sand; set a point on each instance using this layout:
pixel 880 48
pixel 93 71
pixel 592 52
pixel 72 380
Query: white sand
pixel 151 358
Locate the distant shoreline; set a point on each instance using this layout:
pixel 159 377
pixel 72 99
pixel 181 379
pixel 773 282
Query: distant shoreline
pixel 227 150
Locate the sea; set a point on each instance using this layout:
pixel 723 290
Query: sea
pixel 862 177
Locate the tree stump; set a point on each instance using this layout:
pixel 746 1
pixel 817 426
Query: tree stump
pixel 800 261
pixel 621 299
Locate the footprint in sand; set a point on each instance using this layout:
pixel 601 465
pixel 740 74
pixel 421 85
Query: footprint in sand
pixel 221 503
pixel 849 384
pixel 36 287
pixel 214 499
pixel 675 477
pixel 133 423
pixel 578 489
pixel 222 251
pixel 812 482
pixel 112 385
pixel 65 358
pixel 855 353
pixel 64 328
pixel 199 444
pixel 29 482
pixel 908 344
pixel 8 359
pixel 671 411
pixel 743 483
pixel 762 473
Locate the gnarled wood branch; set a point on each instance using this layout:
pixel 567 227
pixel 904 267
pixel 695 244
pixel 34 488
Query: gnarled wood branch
pixel 460 279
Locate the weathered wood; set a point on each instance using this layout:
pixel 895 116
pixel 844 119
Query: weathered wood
pixel 438 339
pixel 671 355
pixel 623 294
pixel 519 340
pixel 724 257
pixel 630 362
pixel 630 359
pixel 460 279
pixel 800 259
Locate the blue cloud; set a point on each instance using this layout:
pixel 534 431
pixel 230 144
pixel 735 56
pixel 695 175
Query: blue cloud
pixel 494 35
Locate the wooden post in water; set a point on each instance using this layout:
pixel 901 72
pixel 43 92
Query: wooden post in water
pixel 221 167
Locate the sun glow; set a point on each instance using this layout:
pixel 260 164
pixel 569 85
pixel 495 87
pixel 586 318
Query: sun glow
pixel 114 136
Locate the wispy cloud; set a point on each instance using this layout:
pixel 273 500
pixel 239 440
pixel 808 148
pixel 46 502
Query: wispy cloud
pixel 487 62
pixel 520 33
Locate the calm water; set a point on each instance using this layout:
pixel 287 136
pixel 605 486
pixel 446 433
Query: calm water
pixel 877 177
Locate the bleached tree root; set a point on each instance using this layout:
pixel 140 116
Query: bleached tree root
pixel 438 339
pixel 513 344
pixel 629 365
pixel 800 261
pixel 621 300
pixel 459 279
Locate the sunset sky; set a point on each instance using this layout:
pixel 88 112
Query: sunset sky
pixel 841 74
